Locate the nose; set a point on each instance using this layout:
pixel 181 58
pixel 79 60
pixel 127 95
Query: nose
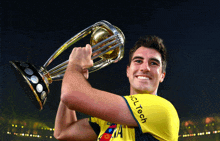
pixel 145 67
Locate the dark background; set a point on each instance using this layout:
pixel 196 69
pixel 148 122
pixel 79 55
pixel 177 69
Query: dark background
pixel 32 30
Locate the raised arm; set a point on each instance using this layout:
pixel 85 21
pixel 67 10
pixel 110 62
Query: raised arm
pixel 64 119
pixel 77 94
pixel 68 128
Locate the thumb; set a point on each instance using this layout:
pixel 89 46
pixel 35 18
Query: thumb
pixel 86 73
pixel 89 49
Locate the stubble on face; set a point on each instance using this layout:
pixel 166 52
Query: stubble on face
pixel 145 71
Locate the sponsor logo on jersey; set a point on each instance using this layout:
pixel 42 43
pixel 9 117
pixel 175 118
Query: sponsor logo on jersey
pixel 139 108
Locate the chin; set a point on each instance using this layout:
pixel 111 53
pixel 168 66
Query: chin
pixel 142 90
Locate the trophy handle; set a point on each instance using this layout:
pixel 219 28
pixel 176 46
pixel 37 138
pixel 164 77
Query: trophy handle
pixel 79 36
pixel 68 43
pixel 58 71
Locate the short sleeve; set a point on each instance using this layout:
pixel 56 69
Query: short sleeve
pixel 154 115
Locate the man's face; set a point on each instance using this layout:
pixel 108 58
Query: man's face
pixel 145 71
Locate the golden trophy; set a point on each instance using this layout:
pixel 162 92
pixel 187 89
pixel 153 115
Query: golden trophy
pixel 107 43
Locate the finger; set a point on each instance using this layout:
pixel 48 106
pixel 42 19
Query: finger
pixel 75 49
pixel 89 49
pixel 86 73
pixel 73 53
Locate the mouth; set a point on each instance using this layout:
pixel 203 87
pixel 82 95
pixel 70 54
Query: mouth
pixel 142 77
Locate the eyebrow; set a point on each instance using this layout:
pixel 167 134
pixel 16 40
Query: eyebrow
pixel 154 59
pixel 137 57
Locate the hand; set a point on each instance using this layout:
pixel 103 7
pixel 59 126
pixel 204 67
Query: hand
pixel 81 56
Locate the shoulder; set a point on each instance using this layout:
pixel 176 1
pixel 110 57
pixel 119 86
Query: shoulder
pixel 143 104
pixel 154 115
pixel 148 100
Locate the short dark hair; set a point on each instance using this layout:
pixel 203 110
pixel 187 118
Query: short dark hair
pixel 151 41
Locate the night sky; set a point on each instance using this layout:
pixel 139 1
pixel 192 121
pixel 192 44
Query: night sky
pixel 32 31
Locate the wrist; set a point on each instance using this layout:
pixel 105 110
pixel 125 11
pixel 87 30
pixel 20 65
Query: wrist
pixel 74 67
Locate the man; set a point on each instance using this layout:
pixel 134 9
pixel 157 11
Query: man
pixel 142 116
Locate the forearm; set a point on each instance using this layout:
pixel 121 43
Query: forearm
pixel 73 83
pixel 64 118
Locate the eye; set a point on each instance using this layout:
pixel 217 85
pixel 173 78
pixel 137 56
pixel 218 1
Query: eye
pixel 154 63
pixel 138 61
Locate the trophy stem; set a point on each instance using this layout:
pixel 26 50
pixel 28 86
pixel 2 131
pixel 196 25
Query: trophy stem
pixel 58 71
pixel 56 68
pixel 58 77
pixel 45 75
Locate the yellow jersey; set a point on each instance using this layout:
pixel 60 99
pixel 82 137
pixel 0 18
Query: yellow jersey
pixel 156 117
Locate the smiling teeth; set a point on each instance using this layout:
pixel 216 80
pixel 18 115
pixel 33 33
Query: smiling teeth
pixel 142 77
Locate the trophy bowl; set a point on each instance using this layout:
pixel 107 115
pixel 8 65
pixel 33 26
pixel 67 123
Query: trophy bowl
pixel 107 43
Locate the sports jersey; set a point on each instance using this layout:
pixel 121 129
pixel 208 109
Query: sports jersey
pixel 156 117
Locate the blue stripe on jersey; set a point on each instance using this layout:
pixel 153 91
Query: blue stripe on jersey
pixel 131 112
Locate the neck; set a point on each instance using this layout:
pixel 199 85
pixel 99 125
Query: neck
pixel 133 91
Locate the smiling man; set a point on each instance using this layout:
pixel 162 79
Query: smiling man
pixel 145 71
pixel 140 116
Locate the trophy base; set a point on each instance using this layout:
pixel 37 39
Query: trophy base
pixel 32 82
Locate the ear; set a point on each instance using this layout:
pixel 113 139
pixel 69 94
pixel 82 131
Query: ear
pixel 128 70
pixel 162 77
